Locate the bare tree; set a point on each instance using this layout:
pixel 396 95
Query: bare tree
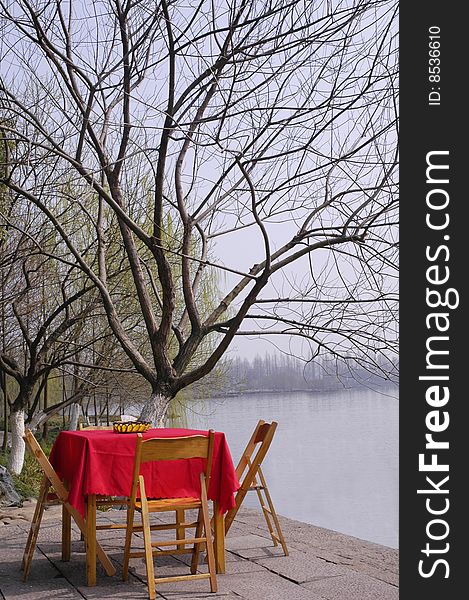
pixel 193 131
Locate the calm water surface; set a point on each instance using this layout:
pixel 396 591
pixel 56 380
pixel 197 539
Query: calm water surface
pixel 333 461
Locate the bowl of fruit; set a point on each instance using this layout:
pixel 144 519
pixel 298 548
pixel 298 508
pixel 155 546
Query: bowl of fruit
pixel 131 426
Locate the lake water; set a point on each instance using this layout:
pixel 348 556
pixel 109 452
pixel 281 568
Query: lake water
pixel 333 461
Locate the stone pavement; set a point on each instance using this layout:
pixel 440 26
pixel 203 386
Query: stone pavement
pixel 323 564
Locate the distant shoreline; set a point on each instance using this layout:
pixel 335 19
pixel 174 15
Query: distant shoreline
pixel 296 391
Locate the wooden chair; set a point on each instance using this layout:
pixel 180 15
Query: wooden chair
pixel 254 480
pixel 60 494
pixel 83 427
pixel 159 449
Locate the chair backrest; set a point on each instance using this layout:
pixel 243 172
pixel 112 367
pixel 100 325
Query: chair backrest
pixel 82 427
pixel 263 434
pixel 48 469
pixel 156 449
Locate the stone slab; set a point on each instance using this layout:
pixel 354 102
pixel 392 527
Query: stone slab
pixel 353 586
pixel 301 567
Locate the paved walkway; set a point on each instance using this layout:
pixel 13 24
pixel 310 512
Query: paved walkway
pixel 323 565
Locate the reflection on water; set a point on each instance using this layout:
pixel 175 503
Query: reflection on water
pixel 333 462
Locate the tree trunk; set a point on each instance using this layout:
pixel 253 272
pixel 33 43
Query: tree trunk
pixel 155 409
pixel 5 420
pixel 75 409
pixel 8 495
pixel 16 459
pixel 37 420
pixel 45 428
pixel 95 409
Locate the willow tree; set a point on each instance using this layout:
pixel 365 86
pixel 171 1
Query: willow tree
pixel 44 306
pixel 264 123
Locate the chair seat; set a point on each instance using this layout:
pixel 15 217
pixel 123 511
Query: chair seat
pixel 166 504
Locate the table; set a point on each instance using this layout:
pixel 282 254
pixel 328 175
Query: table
pixel 100 462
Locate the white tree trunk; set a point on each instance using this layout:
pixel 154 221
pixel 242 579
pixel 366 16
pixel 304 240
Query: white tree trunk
pixel 38 419
pixel 75 410
pixel 8 495
pixel 155 409
pixel 16 459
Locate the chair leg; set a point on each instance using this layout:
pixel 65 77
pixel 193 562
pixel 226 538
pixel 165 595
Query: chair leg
pixel 209 541
pixel 147 542
pixel 265 512
pixel 66 534
pixel 277 526
pixel 34 530
pixel 197 547
pixel 273 513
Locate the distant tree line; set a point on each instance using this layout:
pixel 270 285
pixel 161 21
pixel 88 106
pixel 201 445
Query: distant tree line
pixel 282 372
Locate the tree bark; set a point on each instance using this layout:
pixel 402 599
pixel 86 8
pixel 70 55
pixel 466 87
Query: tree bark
pixel 155 409
pixel 5 415
pixel 8 495
pixel 16 458
pixel 45 428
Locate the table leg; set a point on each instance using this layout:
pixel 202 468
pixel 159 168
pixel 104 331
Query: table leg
pixel 66 534
pixel 83 527
pixel 219 538
pixel 91 540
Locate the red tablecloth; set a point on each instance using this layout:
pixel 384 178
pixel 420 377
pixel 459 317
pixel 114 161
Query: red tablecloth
pixel 101 462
